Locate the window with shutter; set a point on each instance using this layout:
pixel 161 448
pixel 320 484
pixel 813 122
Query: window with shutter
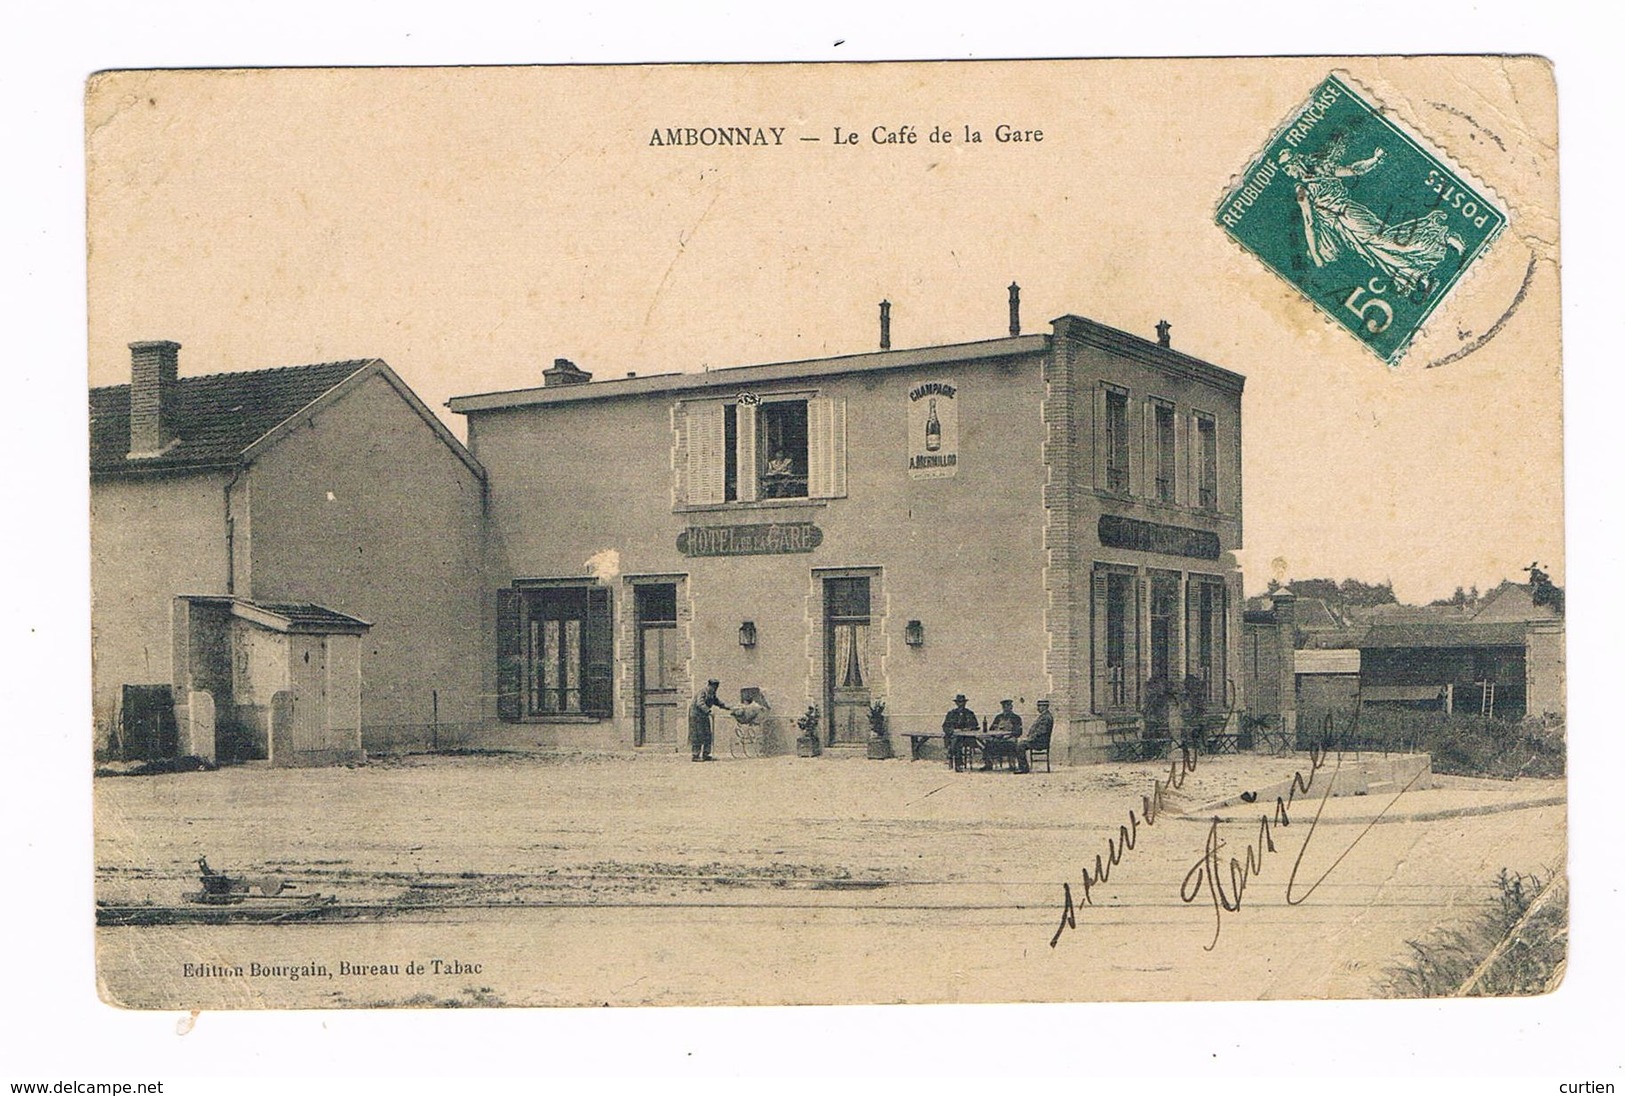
pixel 1099 617
pixel 1116 640
pixel 509 656
pixel 1207 462
pixel 745 455
pixel 555 652
pixel 826 428
pixel 783 450
pixel 1162 448
pixel 707 448
pixel 1116 441
pixel 597 654
pixel 778 448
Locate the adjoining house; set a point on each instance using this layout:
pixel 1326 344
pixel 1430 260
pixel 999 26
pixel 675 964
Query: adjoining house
pixel 320 502
pixel 1030 516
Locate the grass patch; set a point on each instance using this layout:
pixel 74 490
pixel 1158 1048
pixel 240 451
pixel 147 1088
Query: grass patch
pixel 1460 744
pixel 1526 919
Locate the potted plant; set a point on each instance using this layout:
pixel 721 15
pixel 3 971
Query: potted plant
pixel 880 748
pixel 1164 710
pixel 807 744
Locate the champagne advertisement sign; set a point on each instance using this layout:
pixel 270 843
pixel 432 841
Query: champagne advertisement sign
pixel 933 430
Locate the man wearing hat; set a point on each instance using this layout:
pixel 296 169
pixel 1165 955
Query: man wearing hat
pixel 1006 725
pixel 959 718
pixel 1037 736
pixel 699 720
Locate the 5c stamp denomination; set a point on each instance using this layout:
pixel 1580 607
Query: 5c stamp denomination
pixel 1360 217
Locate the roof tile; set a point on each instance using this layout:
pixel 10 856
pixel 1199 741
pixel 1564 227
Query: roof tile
pixel 217 416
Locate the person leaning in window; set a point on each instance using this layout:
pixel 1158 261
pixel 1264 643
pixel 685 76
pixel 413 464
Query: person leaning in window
pixel 959 718
pixel 699 720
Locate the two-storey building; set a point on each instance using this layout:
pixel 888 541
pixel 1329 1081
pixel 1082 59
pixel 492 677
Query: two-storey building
pixel 1032 516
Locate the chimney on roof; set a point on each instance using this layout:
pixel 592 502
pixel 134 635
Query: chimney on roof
pixel 1015 310
pixel 154 367
pixel 564 372
pixel 1163 327
pixel 885 325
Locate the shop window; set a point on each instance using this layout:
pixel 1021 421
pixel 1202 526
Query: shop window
pixel 555 655
pixel 1116 640
pixel 749 450
pixel 1205 628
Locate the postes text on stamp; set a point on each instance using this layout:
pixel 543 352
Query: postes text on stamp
pixel 1360 217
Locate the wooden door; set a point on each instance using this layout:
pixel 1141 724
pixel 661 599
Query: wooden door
pixel 848 665
pixel 661 662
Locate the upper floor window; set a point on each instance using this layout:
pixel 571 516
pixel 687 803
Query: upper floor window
pixel 1162 449
pixel 759 449
pixel 782 450
pixel 1207 462
pixel 1116 441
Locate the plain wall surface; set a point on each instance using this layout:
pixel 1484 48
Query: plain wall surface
pixel 364 509
pixel 150 539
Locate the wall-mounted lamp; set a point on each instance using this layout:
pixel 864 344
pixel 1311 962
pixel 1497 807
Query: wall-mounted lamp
pixel 747 634
pixel 914 634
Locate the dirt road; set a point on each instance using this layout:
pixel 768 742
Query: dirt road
pixel 650 880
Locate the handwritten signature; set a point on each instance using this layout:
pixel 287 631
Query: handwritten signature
pixel 1208 875
pixel 1151 807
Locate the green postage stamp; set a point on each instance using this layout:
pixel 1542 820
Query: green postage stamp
pixel 1365 221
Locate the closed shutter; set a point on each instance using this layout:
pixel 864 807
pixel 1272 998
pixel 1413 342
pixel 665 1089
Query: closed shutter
pixel 746 464
pixel 1102 682
pixel 826 448
pixel 706 441
pixel 510 657
pixel 597 655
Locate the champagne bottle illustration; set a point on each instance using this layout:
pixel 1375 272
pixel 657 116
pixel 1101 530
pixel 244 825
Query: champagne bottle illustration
pixel 933 429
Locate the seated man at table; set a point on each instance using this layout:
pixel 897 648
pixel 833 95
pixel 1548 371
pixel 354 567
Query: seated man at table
pixel 1003 733
pixel 959 718
pixel 1036 738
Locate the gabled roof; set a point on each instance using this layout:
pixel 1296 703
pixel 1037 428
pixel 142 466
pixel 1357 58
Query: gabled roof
pixel 1513 601
pixel 220 418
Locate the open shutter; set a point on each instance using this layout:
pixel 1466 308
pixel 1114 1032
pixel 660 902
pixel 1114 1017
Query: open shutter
pixel 1133 671
pixel 746 451
pixel 510 655
pixel 1181 461
pixel 1193 627
pixel 706 439
pixel 597 654
pixel 826 448
pixel 1102 681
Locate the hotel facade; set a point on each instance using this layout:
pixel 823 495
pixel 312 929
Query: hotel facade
pixel 1028 517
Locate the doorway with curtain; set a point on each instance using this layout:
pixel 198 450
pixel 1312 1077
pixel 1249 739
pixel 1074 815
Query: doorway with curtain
pixel 848 665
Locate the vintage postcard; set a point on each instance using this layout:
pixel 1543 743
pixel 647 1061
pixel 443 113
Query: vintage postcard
pixel 827 533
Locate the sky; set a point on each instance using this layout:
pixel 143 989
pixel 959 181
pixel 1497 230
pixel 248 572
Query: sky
pixel 470 225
